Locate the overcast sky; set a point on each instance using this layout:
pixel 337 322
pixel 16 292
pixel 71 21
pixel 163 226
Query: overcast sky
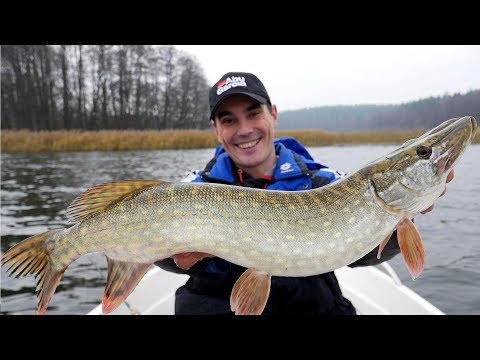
pixel 298 76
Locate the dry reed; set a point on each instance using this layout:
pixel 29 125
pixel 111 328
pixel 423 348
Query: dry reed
pixel 25 141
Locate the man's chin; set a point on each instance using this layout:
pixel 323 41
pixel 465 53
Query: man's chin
pixel 246 162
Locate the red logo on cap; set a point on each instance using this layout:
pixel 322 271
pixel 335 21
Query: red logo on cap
pixel 221 83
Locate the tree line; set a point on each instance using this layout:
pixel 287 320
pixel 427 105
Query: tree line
pixel 416 115
pixel 92 87
pixel 51 87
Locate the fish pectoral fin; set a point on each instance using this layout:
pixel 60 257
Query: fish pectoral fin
pixel 383 244
pixel 250 292
pixel 122 278
pixel 411 246
pixel 100 197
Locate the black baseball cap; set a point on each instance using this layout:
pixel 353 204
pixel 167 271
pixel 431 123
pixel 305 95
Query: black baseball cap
pixel 234 83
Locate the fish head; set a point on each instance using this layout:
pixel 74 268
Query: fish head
pixel 410 178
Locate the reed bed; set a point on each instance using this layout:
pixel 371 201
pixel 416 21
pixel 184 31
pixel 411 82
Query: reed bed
pixel 16 141
pixel 25 141
pixel 320 138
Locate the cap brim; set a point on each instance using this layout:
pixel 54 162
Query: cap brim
pixel 256 97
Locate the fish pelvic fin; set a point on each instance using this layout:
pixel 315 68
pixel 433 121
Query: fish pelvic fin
pixel 250 292
pixel 122 279
pixel 383 244
pixel 103 196
pixel 411 246
pixel 30 256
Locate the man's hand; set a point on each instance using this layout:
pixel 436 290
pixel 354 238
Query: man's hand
pixel 449 178
pixel 186 260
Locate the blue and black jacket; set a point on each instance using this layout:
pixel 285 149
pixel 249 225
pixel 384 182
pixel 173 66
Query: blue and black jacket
pixel 211 280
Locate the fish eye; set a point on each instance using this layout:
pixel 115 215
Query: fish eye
pixel 424 152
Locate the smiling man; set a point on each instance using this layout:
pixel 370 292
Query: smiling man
pixel 244 121
pixel 245 128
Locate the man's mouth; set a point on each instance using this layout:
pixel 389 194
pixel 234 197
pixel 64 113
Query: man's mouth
pixel 248 145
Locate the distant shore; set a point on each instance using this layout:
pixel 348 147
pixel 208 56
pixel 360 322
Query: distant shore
pixel 25 141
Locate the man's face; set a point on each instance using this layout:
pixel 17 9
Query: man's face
pixel 245 128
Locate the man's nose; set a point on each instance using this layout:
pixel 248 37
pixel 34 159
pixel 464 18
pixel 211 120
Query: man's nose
pixel 244 128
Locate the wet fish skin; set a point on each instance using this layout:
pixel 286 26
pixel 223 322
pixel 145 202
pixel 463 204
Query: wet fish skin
pixel 277 233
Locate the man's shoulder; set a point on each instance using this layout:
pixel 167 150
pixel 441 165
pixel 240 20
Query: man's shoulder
pixel 294 146
pixel 337 174
pixel 192 176
pixel 326 176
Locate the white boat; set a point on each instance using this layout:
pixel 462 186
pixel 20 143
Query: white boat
pixel 372 292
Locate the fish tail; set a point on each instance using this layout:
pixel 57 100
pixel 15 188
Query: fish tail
pixel 31 256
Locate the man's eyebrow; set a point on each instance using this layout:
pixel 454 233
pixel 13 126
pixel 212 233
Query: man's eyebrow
pixel 223 113
pixel 253 106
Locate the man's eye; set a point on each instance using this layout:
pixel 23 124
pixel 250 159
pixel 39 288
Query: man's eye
pixel 226 121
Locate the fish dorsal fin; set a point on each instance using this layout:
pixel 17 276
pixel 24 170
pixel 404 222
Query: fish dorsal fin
pixel 103 196
pixel 122 279
pixel 250 292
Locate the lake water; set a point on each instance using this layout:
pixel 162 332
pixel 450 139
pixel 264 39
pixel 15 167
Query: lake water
pixel 36 189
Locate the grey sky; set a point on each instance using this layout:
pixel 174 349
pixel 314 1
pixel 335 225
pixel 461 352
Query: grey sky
pixel 298 76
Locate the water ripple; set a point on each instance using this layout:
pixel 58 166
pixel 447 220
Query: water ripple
pixel 36 189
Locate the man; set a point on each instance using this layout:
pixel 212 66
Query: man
pixel 244 120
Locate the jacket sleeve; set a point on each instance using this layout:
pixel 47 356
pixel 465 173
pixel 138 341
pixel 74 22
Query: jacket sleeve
pixel 169 265
pixel 390 250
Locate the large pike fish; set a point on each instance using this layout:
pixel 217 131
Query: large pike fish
pixel 303 233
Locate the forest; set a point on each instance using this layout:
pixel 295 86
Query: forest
pixel 146 87
pixel 92 87
pixel 416 115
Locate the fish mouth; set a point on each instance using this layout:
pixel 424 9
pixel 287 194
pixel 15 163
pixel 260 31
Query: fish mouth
pixel 458 134
pixel 464 127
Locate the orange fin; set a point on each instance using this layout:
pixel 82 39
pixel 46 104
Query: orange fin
pixel 30 256
pixel 186 260
pixel 250 293
pixel 122 279
pixel 100 197
pixel 411 246
pixel 383 244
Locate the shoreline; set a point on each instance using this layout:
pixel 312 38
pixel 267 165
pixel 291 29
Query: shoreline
pixel 26 141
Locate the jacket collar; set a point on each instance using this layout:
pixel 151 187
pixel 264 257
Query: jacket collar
pixel 293 161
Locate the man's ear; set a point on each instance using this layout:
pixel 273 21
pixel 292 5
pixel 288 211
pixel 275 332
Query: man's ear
pixel 215 129
pixel 275 115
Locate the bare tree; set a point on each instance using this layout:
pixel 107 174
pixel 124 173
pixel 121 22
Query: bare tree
pixel 139 73
pixel 67 121
pixel 9 96
pixel 168 55
pixel 100 86
pixel 81 89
